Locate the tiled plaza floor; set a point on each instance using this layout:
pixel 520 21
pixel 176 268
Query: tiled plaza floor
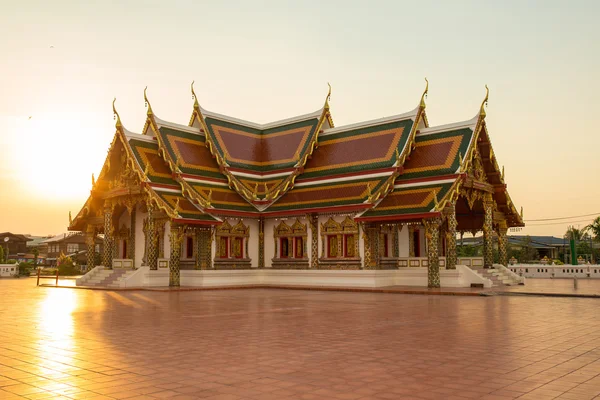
pixel 292 344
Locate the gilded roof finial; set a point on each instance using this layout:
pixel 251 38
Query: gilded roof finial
pixel 209 198
pixel 70 219
pixel 149 112
pixel 255 191
pixel 521 212
pixel 116 115
pixel 435 199
pixel 482 113
pixel 369 194
pixel 194 97
pixel 93 180
pixel 177 205
pixel 328 98
pixel 147 169
pixel 460 158
pixel 266 188
pixel 424 96
pixel 503 172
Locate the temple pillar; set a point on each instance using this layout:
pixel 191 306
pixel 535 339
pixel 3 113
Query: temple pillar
pixel 502 241
pixel 176 238
pixel 108 236
pixel 395 241
pixel 313 220
pixel 451 258
pixel 261 242
pixel 488 231
pixel 152 253
pixel 197 248
pixel 411 241
pixel 203 249
pixel 432 233
pixel 90 241
pixel 369 257
pixel 131 243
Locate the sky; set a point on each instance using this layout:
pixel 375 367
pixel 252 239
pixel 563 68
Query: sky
pixel 63 62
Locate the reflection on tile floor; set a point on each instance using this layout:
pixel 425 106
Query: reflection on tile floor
pixel 291 344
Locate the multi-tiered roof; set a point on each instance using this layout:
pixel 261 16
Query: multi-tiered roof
pixel 395 168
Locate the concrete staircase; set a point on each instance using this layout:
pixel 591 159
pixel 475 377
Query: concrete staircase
pixel 109 278
pixel 498 276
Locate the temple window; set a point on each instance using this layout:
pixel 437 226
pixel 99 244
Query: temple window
pixel 290 241
pixel 339 240
pixel 189 247
pixel 232 241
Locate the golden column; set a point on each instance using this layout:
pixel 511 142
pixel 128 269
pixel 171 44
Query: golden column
pixel 261 242
pixel 451 236
pixel 502 241
pixel 152 240
pixel 90 240
pixel 108 236
pixel 432 233
pixel 176 237
pixel 488 231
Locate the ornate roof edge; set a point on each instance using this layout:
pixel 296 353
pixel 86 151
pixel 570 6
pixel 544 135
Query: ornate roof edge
pixel 388 186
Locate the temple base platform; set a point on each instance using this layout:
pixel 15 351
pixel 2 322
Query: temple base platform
pixel 461 277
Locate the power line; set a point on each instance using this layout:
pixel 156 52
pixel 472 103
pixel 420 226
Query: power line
pixel 559 223
pixel 555 219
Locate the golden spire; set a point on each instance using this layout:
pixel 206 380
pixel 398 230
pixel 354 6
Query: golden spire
pixel 328 98
pixel 482 113
pixel 521 212
pixel 116 115
pixel 149 112
pixel 194 97
pixel 93 180
pixel 70 219
pixel 502 176
pixel 424 96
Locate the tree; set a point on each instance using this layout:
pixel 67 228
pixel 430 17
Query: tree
pixel 1 255
pixel 36 253
pixel 528 252
pixel 594 229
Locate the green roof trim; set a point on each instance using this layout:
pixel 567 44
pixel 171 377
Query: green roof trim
pixel 466 133
pixel 444 188
pixel 312 123
pixel 134 144
pixel 200 139
pixel 407 124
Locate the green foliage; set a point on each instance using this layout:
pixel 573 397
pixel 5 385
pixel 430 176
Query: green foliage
pixel 594 229
pixel 1 255
pixel 11 261
pixel 25 268
pixel 527 253
pixel 36 253
pixel 558 262
pixel 468 251
pixel 66 266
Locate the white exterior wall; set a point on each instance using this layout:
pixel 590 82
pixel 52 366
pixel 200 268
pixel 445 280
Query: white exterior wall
pixel 269 245
pixel 403 241
pixel 139 236
pixel 253 241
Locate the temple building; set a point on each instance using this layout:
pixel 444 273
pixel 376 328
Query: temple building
pixel 222 201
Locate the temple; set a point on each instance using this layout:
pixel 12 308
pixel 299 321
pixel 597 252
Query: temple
pixel 222 201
